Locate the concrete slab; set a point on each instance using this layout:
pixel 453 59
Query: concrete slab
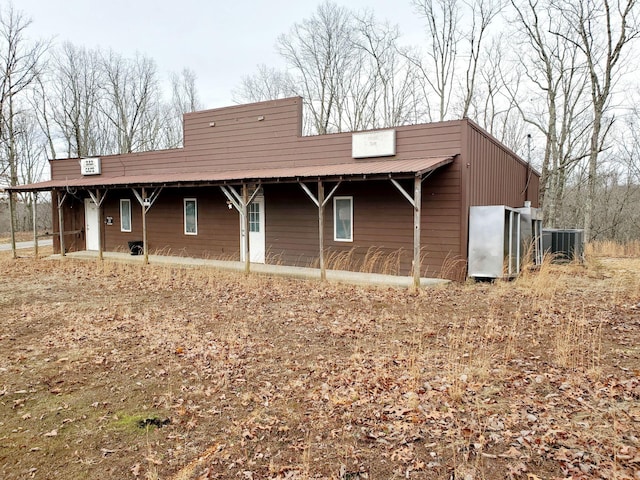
pixel 341 276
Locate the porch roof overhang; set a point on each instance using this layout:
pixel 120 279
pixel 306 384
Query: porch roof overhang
pixel 368 170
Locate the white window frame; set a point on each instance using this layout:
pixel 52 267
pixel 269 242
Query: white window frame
pixel 123 202
pixel 335 218
pixel 195 203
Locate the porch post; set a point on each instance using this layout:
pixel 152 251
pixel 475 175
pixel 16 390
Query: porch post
pixel 34 206
pixel 245 227
pixel 60 199
pixel 100 226
pixel 145 247
pixel 12 214
pixel 417 203
pixel 323 271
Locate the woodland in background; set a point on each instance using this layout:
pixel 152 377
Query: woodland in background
pixel 555 80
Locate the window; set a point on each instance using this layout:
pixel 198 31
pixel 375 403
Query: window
pixel 254 217
pixel 190 216
pixel 125 215
pixel 343 219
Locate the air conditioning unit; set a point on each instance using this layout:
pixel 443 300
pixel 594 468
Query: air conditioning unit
pixel 563 244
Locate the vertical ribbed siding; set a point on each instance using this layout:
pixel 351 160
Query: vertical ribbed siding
pixel 498 175
pixel 218 226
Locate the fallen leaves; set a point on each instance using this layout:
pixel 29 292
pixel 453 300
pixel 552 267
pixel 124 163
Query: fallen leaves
pixel 275 378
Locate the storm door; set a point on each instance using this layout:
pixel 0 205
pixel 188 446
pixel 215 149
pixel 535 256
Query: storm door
pixel 91 225
pixel 255 210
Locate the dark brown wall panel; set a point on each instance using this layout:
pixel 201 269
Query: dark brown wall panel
pixel 73 221
pixel 291 232
pixel 498 176
pixel 259 118
pixel 218 227
pixel 239 140
pixel 383 225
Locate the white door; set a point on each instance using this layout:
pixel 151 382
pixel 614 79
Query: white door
pixel 91 225
pixel 256 231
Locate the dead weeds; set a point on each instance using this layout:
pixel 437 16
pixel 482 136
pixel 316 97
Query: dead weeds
pixel 123 371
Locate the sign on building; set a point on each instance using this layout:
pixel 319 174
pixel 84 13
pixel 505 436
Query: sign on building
pixel 373 144
pixel 90 166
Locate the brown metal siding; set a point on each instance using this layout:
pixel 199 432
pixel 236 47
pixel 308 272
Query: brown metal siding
pixel 218 227
pixel 441 222
pixel 291 232
pixel 73 221
pixel 264 120
pixel 383 224
pixel 484 172
pixel 498 175
pixel 240 141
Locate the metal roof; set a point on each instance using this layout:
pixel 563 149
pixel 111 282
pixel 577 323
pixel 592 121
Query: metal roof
pixel 366 170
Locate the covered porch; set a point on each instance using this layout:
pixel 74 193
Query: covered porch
pixel 319 184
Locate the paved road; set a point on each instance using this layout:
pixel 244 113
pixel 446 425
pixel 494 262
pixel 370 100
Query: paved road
pixel 41 243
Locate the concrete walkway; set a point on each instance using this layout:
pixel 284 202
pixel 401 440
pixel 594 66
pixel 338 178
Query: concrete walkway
pixel 279 270
pixel 28 244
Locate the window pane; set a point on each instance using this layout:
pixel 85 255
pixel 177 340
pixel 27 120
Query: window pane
pixel 254 217
pixel 190 217
pixel 343 220
pixel 125 215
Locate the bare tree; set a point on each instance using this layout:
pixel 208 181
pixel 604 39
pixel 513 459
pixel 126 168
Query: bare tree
pixel 100 103
pixel 456 33
pixel 442 18
pixel 266 84
pixel 319 52
pixel 603 31
pixel 348 67
pixel 184 99
pixel 75 98
pixel 20 61
pixel 482 13
pixel 131 93
pixel 387 92
pixel 629 144
pixel 30 152
pixel 557 75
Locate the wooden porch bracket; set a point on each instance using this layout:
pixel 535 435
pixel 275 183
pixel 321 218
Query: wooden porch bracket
pixel 416 203
pixel 320 202
pixel 241 204
pixel 98 198
pixel 146 203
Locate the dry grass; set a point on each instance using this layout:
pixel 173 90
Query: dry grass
pixel 373 260
pixel 609 248
pixel 278 378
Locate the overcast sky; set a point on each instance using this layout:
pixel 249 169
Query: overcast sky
pixel 221 41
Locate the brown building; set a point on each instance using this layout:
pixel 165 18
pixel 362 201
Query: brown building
pixel 380 200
